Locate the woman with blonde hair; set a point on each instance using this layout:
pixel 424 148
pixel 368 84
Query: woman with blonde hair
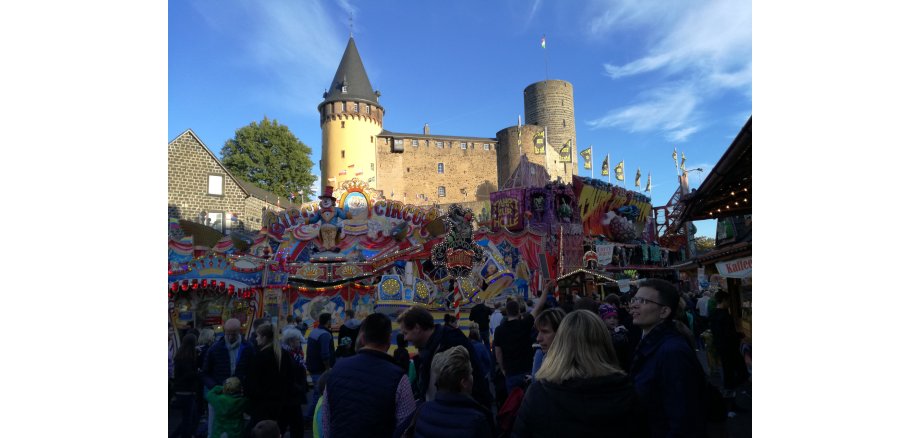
pixel 580 389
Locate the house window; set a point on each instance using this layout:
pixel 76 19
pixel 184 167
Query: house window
pixel 372 166
pixel 216 185
pixel 356 107
pixel 215 220
pixel 439 144
pixel 407 170
pixel 441 191
pixel 485 146
pixel 440 167
pixel 415 143
pixel 463 145
pixel 372 139
pixel 398 143
pixel 367 109
pixel 343 153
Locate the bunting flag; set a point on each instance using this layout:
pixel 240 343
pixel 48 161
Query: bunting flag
pixel 648 185
pixel 638 178
pixel 683 161
pixel 565 154
pixel 359 172
pixel 539 143
pixel 343 172
pixel 351 165
pixel 331 179
pixel 586 155
pixel 619 171
pixel 371 179
pixel 674 156
pixel 605 166
pixel 543 42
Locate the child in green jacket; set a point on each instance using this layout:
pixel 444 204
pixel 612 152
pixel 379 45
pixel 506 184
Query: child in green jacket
pixel 229 404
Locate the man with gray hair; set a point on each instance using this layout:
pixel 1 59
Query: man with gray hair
pixel 229 356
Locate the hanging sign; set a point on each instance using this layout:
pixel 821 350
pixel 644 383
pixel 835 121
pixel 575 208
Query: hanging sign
pixel 738 268
pixel 604 254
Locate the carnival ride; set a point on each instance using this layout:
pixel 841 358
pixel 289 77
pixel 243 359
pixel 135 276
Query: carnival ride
pixel 354 249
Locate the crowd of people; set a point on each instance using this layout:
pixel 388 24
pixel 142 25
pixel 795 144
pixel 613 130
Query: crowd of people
pixel 625 366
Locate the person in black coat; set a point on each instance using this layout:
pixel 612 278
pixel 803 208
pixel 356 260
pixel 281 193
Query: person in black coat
pixel 666 371
pixel 271 377
pixel 728 343
pixel 580 389
pixel 453 413
pixel 186 384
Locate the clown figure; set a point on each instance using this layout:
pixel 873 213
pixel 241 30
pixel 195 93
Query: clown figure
pixel 330 218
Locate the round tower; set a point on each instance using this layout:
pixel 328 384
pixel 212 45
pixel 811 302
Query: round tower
pixel 551 104
pixel 351 118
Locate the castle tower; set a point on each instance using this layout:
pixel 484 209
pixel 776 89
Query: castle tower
pixel 351 118
pixel 551 104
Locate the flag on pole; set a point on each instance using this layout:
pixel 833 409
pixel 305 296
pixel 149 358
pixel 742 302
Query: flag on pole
pixel 648 186
pixel 683 161
pixel 619 171
pixel 586 155
pixel 565 154
pixel 638 178
pixel 539 143
pixel 605 166
pixel 543 42
pixel 674 156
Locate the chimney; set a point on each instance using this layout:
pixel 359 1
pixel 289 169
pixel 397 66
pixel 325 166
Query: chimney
pixel 426 130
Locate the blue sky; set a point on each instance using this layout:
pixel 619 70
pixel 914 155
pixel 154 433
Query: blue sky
pixel 648 77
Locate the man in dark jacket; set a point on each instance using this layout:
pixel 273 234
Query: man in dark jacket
pixel 418 327
pixel 665 369
pixel 480 314
pixel 728 343
pixel 320 348
pixel 367 394
pixel 229 356
pixel 349 330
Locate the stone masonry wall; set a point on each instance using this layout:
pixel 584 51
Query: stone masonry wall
pixel 551 104
pixel 189 167
pixel 469 174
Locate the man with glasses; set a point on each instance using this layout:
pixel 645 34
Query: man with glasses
pixel 667 374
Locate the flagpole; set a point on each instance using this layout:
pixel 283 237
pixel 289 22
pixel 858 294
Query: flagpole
pixel 545 57
pixel 608 169
pixel 591 155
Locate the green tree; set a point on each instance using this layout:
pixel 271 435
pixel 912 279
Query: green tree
pixel 268 155
pixel 705 244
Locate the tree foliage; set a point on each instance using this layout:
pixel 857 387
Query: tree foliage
pixel 705 244
pixel 268 155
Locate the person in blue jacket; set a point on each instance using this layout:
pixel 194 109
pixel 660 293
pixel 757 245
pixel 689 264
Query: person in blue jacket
pixel 665 369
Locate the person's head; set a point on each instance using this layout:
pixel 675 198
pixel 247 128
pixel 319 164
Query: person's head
pixel 613 300
pixel 581 349
pixel 266 429
pixel 451 320
pixel 416 324
pixel 401 341
pixel 454 370
pixel 298 320
pixel 232 330
pixel 206 337
pixel 655 302
pixel 547 323
pixel 513 309
pixel 187 347
pixel 325 320
pixel 376 330
pixel 609 315
pixel 721 297
pixel 290 319
pixel 586 303
pixel 474 335
pixel 232 385
pixel 349 314
pixel 292 338
pixel 264 335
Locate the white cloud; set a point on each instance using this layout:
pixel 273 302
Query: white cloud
pixel 669 109
pixel 533 11
pixel 708 46
pixel 296 43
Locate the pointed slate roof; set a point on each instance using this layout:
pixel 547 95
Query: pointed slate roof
pixel 352 76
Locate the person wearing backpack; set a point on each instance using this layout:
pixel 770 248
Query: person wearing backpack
pixel 580 389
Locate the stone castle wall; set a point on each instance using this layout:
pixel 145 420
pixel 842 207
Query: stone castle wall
pixel 552 104
pixel 468 174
